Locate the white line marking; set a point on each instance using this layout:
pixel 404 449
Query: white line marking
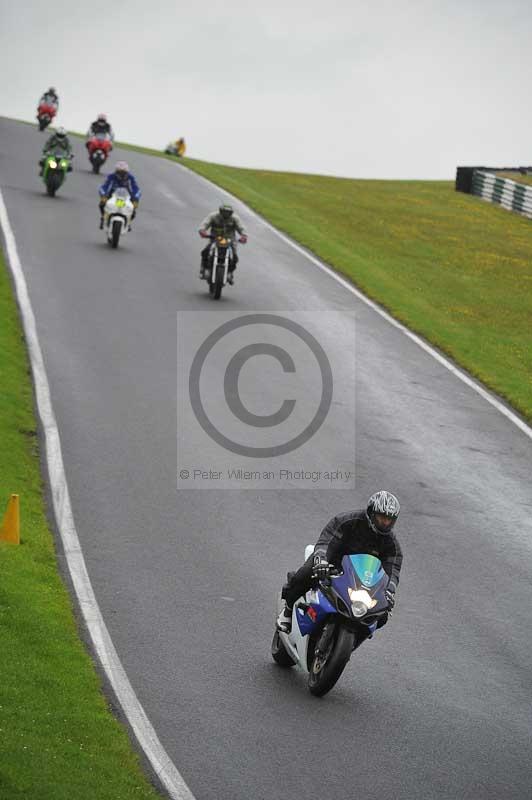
pixel 144 732
pixel 494 401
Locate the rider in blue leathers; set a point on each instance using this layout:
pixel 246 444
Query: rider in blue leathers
pixel 120 178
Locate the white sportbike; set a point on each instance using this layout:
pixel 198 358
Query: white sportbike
pixel 117 216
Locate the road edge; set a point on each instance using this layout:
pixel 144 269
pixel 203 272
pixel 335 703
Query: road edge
pixel 145 734
pixel 458 372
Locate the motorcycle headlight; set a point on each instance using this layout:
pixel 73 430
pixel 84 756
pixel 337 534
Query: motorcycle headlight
pixel 361 602
pixel 358 608
pixel 120 203
pixel 52 164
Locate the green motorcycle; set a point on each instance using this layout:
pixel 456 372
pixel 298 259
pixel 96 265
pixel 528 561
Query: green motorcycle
pixel 54 172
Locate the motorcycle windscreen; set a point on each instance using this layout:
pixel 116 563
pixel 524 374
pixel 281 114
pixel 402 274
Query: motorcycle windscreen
pixel 367 568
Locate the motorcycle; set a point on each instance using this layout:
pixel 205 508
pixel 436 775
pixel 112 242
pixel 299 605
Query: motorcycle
pixel 45 114
pixel 331 621
pixel 220 257
pixel 118 213
pixel 99 146
pixel 54 172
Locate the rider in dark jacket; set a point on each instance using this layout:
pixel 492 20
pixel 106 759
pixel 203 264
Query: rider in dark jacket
pixel 100 125
pixel 50 97
pixel 57 144
pixel 369 530
pixel 226 223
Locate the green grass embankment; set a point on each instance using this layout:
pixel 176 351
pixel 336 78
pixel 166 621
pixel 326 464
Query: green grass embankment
pixel 59 740
pixel 454 269
pixel 516 176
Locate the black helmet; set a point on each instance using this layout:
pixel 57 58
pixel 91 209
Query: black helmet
pixel 52 90
pixel 383 504
pixel 226 211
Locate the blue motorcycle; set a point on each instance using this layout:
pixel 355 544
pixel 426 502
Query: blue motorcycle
pixel 331 621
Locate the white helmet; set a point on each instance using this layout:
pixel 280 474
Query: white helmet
pixel 61 132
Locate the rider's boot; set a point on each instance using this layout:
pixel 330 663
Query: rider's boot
pixel 204 266
pixel 284 620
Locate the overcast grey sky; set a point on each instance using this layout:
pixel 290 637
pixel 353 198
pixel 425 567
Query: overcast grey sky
pixel 382 89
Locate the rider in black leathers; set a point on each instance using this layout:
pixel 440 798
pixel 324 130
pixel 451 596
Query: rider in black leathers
pixel 100 125
pixel 369 530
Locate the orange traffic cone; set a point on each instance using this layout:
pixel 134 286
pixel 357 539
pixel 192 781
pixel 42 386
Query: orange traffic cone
pixel 10 530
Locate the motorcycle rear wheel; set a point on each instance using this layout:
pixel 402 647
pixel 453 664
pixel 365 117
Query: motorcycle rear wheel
pixel 326 669
pixel 279 652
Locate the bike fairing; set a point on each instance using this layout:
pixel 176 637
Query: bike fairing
pixel 361 581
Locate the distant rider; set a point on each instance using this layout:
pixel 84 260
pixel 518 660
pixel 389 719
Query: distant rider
pixel 100 125
pixel 180 147
pixel 223 222
pixel 368 530
pixel 50 98
pixel 58 144
pixel 120 178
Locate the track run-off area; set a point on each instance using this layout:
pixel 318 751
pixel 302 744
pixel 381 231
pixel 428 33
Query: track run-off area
pixel 437 705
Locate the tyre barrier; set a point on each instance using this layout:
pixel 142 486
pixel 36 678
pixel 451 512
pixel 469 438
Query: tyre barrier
pixel 484 183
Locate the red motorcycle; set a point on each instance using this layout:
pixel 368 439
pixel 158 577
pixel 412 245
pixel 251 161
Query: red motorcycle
pixel 45 114
pixel 99 146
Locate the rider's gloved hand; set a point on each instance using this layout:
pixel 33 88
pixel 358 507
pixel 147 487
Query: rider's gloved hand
pixel 321 567
pixel 204 234
pixel 243 239
pixel 390 594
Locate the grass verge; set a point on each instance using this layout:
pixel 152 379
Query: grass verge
pixel 516 176
pixel 454 269
pixel 59 738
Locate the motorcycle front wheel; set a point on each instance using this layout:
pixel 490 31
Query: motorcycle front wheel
pixel 327 667
pixel 53 182
pixel 218 283
pixel 116 230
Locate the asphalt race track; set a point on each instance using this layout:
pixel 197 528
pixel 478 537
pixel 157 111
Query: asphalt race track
pixel 437 705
